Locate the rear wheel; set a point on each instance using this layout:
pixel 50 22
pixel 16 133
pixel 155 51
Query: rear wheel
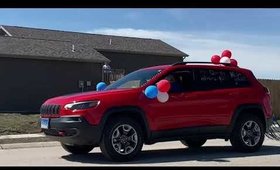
pixel 77 149
pixel 122 139
pixel 193 143
pixel 248 134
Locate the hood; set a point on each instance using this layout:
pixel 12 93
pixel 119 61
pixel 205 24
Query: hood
pixel 84 96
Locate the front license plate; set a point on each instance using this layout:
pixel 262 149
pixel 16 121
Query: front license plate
pixel 45 123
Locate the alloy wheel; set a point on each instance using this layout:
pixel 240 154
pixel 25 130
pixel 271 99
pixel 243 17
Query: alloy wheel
pixel 251 133
pixel 124 139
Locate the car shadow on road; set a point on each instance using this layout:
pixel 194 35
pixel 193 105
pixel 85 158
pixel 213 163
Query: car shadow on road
pixel 204 154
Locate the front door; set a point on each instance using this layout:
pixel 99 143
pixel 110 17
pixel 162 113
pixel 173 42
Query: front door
pixel 181 108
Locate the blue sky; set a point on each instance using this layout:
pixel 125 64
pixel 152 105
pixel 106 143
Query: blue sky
pixel 253 35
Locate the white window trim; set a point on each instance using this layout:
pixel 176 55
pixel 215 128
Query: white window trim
pixel 1 27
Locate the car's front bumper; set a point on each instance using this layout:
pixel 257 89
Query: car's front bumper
pixel 73 130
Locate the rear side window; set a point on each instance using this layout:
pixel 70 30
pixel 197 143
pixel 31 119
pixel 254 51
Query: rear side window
pixel 207 79
pixel 239 79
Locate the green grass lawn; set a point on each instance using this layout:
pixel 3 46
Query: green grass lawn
pixel 11 123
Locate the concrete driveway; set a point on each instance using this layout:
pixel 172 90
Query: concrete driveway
pixel 213 153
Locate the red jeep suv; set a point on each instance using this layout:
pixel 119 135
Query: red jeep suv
pixel 212 101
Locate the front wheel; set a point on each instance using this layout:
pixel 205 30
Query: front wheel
pixel 77 149
pixel 122 139
pixel 248 134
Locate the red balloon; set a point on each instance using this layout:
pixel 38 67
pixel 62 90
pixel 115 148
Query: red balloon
pixel 233 62
pixel 226 53
pixel 163 85
pixel 215 59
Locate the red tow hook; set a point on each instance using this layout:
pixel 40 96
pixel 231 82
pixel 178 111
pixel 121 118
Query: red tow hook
pixel 61 133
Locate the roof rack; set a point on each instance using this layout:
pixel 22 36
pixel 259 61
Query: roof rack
pixel 197 62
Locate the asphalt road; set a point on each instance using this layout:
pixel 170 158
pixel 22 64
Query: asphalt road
pixel 213 153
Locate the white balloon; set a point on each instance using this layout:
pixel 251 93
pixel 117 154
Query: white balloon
pixel 224 60
pixel 162 97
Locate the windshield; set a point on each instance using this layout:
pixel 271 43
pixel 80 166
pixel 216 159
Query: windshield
pixel 134 80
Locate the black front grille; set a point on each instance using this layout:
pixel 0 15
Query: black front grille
pixel 49 109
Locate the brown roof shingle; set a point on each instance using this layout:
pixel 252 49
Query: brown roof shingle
pixel 99 42
pixel 48 49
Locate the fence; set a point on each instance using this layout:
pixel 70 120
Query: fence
pixel 274 88
pixel 111 75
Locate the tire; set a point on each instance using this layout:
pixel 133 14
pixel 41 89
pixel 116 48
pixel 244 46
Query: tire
pixel 77 149
pixel 248 134
pixel 193 143
pixel 122 139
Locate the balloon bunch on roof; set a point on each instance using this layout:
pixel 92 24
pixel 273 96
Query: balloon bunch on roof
pixel 226 58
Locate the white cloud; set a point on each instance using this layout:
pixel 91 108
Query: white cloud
pixel 261 58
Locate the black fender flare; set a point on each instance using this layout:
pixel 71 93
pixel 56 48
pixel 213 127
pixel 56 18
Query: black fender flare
pixel 238 112
pixel 127 109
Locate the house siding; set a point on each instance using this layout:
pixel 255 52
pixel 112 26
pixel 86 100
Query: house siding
pixel 27 83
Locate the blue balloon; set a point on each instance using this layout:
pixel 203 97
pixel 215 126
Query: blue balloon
pixel 151 92
pixel 101 86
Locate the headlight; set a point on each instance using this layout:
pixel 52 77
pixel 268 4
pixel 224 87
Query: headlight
pixel 81 105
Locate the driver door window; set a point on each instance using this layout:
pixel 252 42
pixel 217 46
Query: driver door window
pixel 181 81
